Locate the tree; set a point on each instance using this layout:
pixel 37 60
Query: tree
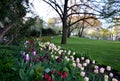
pixel 11 14
pixel 52 22
pixel 63 8
pixel 86 23
pixel 105 33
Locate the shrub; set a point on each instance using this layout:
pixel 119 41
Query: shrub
pixel 7 62
pixel 48 32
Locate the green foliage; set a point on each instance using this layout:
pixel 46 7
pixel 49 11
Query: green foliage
pixel 7 62
pixel 34 33
pixel 12 9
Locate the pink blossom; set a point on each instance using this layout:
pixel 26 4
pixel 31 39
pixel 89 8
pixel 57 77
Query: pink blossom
pixel 79 65
pixel 96 67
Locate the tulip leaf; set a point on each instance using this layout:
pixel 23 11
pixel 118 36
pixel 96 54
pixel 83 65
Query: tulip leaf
pixel 21 74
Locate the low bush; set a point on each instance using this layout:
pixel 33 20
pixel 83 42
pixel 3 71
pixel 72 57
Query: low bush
pixel 7 62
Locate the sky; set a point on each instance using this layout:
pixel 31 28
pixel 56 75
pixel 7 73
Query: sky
pixel 43 10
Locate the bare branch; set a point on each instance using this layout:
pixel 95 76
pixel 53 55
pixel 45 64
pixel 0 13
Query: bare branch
pixel 55 8
pixel 80 20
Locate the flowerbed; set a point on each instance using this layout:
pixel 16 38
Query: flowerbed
pixel 47 62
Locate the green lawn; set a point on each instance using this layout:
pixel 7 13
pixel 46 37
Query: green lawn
pixel 104 52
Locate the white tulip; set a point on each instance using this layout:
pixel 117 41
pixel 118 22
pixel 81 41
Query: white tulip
pixel 86 79
pixel 82 58
pixel 87 61
pixel 77 60
pixel 82 73
pixel 111 74
pixel 102 70
pixel 84 64
pixel 108 68
pixel 74 64
pixel 114 79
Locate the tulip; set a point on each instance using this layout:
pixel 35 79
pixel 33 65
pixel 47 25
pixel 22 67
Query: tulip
pixel 73 53
pixel 86 79
pixel 69 52
pixel 102 70
pixel 96 71
pixel 93 61
pixel 34 53
pixel 82 68
pixel 52 71
pixel 84 64
pixel 96 67
pixel 77 60
pixel 114 79
pixel 27 57
pixel 82 74
pixel 82 58
pixel 74 65
pixel 59 60
pixel 108 68
pixel 79 65
pixel 111 74
pixel 105 77
pixel 68 59
pixel 56 57
pixel 87 61
pixel 64 75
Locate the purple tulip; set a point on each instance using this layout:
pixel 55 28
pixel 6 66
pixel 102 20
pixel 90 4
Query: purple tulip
pixel 41 58
pixel 59 60
pixel 46 55
pixel 27 57
pixel 34 53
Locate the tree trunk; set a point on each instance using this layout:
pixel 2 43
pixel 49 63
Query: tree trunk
pixel 64 35
pixel 64 24
pixel 80 32
pixel 69 33
pixel 79 35
pixel 5 30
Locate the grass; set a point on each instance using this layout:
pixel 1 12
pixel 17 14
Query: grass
pixel 103 51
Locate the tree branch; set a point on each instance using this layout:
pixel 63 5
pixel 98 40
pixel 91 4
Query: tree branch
pixel 80 20
pixel 55 8
pixel 6 30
